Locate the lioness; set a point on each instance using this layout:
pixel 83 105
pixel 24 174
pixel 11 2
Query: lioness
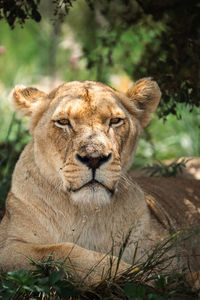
pixel 71 196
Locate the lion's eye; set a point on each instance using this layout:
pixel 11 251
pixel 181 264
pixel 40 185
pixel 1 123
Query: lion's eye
pixel 63 122
pixel 115 121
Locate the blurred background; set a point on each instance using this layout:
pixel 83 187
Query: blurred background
pixel 44 43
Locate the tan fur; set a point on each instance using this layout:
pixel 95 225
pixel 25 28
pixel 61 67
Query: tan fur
pixel 51 208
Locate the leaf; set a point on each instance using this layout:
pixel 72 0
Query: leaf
pixel 55 276
pixel 160 282
pixel 66 289
pixel 134 292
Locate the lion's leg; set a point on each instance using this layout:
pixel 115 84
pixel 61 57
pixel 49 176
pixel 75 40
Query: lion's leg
pixel 81 261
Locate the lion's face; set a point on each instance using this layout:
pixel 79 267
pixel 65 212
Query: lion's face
pixel 85 134
pixel 89 133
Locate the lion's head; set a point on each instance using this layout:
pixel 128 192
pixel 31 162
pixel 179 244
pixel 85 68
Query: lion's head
pixel 85 134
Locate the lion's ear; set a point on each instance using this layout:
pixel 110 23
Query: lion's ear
pixel 146 95
pixel 25 99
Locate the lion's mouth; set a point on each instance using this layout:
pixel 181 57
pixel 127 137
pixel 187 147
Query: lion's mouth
pixel 92 184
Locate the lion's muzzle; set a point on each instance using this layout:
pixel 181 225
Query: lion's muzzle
pixel 93 162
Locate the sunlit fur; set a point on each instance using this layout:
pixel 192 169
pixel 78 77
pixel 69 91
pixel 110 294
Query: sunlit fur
pixel 89 106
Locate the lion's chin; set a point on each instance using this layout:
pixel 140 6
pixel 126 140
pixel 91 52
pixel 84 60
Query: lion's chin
pixel 91 196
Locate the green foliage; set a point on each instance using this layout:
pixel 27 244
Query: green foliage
pixel 10 149
pixel 170 53
pixel 160 39
pixel 161 290
pixel 21 60
pixel 177 55
pixel 54 280
pixel 163 170
pixel 172 139
pixel 49 278
pixel 19 11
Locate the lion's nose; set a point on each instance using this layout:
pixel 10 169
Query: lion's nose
pixel 93 162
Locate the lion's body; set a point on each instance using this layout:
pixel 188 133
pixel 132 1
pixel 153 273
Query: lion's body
pixel 70 195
